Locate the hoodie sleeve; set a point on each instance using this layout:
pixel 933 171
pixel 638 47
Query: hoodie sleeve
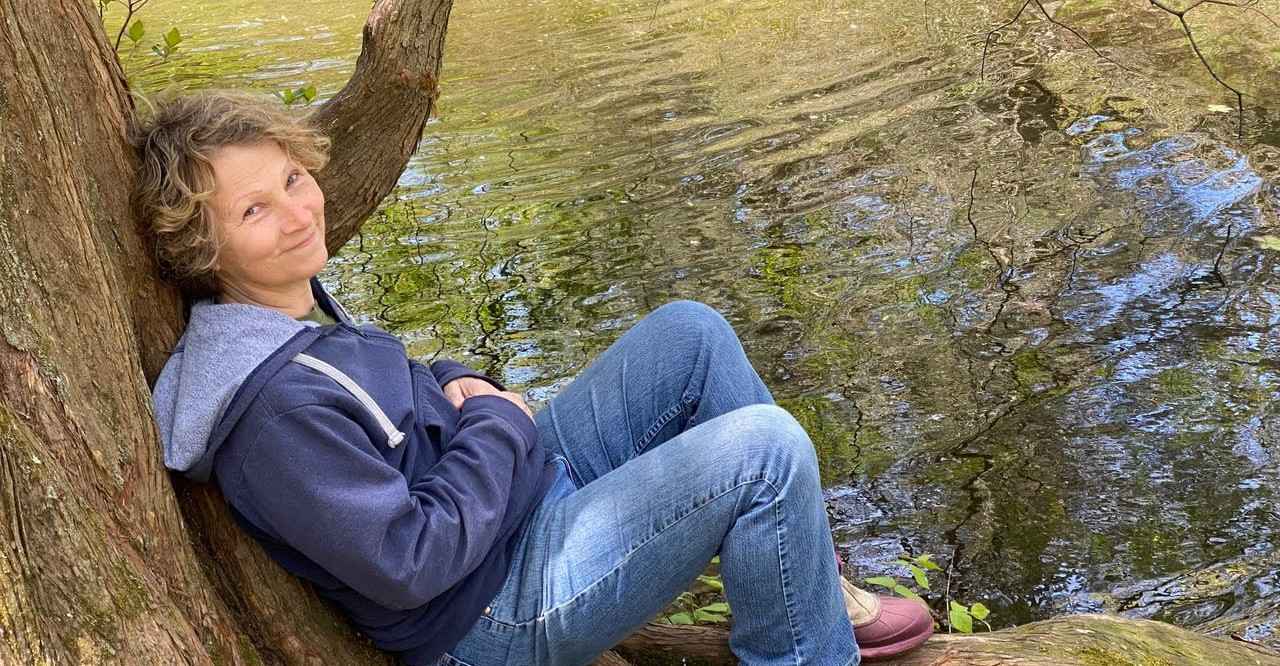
pixel 316 478
pixel 446 370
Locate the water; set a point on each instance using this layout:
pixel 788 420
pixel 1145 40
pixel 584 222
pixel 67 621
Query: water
pixel 1025 318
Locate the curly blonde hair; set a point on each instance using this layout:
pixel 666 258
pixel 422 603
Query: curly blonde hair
pixel 175 179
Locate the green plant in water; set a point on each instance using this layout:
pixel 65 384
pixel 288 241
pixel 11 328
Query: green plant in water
pixel 959 616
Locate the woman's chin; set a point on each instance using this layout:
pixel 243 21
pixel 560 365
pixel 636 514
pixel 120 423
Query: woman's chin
pixel 314 261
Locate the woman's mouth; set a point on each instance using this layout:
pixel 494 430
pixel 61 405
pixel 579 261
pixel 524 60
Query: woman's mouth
pixel 311 236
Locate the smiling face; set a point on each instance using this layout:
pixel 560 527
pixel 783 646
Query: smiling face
pixel 269 216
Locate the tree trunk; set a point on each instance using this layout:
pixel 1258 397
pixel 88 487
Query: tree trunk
pixel 97 561
pixel 1073 640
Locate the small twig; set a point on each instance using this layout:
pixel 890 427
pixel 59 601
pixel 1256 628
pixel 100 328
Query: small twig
pixel 1081 37
pixel 131 7
pixel 1251 5
pixel 1195 46
pixel 982 73
pixel 1049 17
pixel 946 594
pixel 973 185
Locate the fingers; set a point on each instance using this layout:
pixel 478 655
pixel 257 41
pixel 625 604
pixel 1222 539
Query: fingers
pixel 454 394
pixel 462 388
pixel 518 401
pixel 458 390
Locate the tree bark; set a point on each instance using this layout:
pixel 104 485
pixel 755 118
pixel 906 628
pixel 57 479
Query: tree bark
pixel 100 559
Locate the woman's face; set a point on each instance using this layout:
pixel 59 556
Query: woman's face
pixel 269 214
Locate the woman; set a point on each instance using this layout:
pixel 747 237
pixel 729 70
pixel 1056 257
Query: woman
pixel 449 523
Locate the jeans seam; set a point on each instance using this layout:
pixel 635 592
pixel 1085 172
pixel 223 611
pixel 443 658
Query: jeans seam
pixel 560 439
pixel 569 602
pixel 662 420
pixel 785 578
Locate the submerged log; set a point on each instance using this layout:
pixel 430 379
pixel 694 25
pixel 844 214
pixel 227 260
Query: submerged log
pixel 1072 640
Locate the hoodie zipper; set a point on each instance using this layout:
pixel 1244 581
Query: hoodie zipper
pixel 394 436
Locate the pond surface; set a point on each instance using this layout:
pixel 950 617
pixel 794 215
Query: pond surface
pixel 1026 317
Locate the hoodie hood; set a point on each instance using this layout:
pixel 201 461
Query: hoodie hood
pixel 222 345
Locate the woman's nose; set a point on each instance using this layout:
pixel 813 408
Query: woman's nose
pixel 297 216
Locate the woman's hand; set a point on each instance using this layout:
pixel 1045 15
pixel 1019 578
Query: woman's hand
pixel 458 390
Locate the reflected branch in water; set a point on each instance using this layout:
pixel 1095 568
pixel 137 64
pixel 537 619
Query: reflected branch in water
pixel 1049 17
pixel 982 71
pixel 1186 28
pixel 1180 14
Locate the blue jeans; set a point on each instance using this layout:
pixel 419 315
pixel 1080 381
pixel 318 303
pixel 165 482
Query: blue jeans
pixel 670 451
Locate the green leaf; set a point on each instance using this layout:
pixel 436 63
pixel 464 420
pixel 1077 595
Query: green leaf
pixel 287 96
pixel 1268 242
pixel 136 31
pixel 927 562
pixel 704 616
pixel 172 38
pixel 960 619
pixel 979 611
pixel 882 581
pixel 309 92
pixel 905 592
pixel 921 578
pixel 680 618
pixel 718 607
pixel 712 582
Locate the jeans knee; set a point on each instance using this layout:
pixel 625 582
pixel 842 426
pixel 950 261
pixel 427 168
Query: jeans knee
pixel 772 437
pixel 693 324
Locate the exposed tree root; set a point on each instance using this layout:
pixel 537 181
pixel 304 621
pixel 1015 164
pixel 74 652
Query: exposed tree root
pixel 1074 640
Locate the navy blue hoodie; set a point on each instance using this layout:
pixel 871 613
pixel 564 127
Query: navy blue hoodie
pixel 343 459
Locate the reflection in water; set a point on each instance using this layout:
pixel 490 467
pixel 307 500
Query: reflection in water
pixel 1023 320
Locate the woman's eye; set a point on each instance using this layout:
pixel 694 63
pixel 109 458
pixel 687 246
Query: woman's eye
pixel 251 211
pixel 293 178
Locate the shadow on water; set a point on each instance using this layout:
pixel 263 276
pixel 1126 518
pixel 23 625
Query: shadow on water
pixel 1025 320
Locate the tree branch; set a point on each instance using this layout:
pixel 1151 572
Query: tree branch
pixel 376 120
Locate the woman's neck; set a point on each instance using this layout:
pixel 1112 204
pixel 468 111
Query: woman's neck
pixel 294 300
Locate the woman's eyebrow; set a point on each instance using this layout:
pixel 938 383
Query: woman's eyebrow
pixel 247 195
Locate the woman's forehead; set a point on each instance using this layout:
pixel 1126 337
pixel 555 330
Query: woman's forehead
pixel 243 169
